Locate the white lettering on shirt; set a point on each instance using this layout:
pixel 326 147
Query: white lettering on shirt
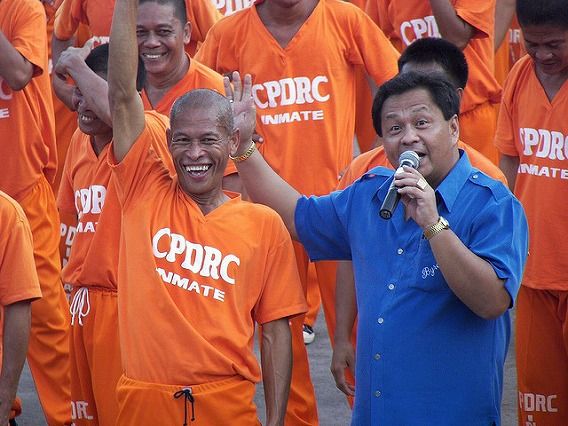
pixel 79 410
pixel 232 6
pixel 90 200
pixel 537 402
pixel 206 261
pixel 419 28
pixel 543 143
pixel 4 113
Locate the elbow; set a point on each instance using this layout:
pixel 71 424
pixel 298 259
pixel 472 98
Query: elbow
pixel 494 310
pixel 20 80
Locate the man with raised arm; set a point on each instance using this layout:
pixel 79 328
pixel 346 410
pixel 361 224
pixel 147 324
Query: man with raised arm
pixel 200 266
pixel 433 284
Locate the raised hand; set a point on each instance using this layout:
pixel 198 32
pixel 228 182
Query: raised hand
pixel 244 111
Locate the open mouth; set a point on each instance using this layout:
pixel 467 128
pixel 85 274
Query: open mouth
pixel 86 118
pixel 197 171
pixel 153 56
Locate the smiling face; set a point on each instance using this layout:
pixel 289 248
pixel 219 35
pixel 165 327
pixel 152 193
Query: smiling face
pixel 200 148
pixel 161 38
pixel 412 121
pixel 548 47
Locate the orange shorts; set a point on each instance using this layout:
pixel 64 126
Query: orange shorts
pixel 225 402
pixel 95 356
pixel 542 357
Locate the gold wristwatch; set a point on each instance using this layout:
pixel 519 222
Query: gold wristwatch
pixel 436 228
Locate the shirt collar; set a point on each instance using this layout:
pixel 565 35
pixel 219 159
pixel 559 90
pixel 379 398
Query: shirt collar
pixel 452 184
pixel 448 189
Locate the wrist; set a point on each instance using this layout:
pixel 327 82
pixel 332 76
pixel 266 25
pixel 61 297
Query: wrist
pixel 245 155
pixel 434 229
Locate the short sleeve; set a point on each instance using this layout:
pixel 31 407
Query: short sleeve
pixel 329 242
pixel 18 277
pixel 66 20
pixel 282 295
pixel 202 15
pixel 372 49
pixel 506 253
pixel 30 34
pixel 480 14
pixel 504 133
pixel 145 163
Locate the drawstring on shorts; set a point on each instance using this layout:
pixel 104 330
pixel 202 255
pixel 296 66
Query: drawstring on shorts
pixel 186 392
pixel 80 305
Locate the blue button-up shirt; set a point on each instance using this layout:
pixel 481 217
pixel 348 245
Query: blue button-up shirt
pixel 423 357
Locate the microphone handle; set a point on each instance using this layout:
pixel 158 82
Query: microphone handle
pixel 390 202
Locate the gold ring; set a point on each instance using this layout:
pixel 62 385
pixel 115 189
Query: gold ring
pixel 422 184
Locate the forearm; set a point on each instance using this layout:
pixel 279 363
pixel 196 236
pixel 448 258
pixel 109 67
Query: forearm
pixel 126 107
pixel 451 26
pixel 509 166
pixel 471 278
pixel 504 11
pixel 276 358
pixel 264 186
pixel 16 70
pixel 14 346
pixel 93 88
pixel 345 302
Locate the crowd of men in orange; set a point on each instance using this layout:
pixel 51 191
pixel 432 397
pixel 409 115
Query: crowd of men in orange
pixel 76 207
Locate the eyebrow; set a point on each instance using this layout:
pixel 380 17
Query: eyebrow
pixel 419 108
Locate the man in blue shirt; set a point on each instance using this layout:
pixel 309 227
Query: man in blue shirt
pixel 433 285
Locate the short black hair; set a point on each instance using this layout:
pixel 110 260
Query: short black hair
pixel 205 98
pixel 443 93
pixel 439 51
pixel 180 11
pixel 97 61
pixel 553 13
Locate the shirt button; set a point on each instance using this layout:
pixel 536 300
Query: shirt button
pixel 400 251
pixel 377 356
pixel 377 393
pixel 380 320
pixel 391 287
pixel 475 176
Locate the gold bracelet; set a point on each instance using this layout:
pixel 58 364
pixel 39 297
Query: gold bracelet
pixel 245 155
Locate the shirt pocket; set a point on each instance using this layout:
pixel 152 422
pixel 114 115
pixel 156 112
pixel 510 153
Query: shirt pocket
pixel 426 275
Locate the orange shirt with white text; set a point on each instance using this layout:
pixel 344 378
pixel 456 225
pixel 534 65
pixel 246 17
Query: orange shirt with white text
pixel 193 286
pixel 304 93
pixel 535 130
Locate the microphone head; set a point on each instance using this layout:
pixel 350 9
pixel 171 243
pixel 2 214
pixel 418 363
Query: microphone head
pixel 410 159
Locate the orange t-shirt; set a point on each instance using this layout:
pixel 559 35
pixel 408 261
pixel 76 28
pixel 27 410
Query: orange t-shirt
pixel 404 21
pixel 198 282
pixel 97 15
pixel 377 157
pixel 198 76
pixel 304 93
pixel 535 130
pixel 18 277
pixel 88 192
pixel 26 116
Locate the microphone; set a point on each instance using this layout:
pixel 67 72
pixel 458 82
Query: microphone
pixel 407 158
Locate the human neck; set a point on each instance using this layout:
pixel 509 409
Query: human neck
pixel 210 201
pixel 98 142
pixel 164 81
pixel 274 14
pixel 551 83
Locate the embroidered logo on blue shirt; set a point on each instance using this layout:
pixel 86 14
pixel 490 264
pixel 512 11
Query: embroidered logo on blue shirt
pixel 429 271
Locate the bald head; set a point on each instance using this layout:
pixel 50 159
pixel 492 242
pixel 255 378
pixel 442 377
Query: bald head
pixel 218 104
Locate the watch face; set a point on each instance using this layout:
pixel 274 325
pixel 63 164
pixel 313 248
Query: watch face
pixel 444 222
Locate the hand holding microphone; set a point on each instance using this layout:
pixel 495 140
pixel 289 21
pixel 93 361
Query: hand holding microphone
pixel 407 158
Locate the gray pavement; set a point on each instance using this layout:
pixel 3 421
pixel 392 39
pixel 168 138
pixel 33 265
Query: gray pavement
pixel 332 407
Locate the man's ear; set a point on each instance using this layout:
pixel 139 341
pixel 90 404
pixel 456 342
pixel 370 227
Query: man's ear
pixel 234 140
pixel 454 128
pixel 169 136
pixel 186 33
